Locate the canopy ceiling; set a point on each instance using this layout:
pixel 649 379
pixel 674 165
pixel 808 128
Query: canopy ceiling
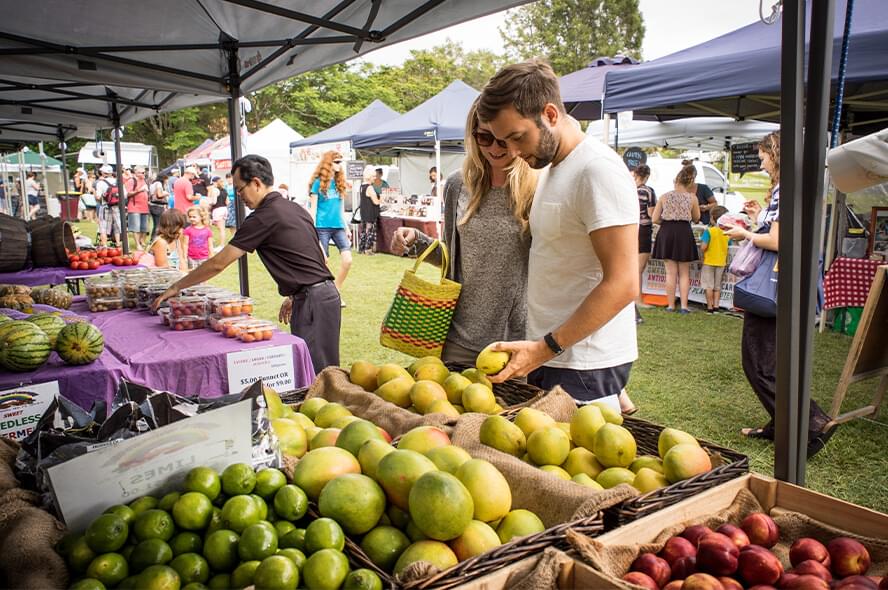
pixel 696 133
pixel 738 74
pixel 376 113
pixel 442 117
pixel 168 54
pixel 14 133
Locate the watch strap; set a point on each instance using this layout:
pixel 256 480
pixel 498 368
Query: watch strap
pixel 553 344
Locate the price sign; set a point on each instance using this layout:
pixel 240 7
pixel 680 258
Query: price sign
pixel 354 169
pixel 22 407
pixel 745 158
pixel 273 365
pixel 634 157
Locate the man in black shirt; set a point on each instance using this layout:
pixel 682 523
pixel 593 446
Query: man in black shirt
pixel 284 236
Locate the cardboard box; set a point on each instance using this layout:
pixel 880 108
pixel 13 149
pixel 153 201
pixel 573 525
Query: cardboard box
pixel 771 493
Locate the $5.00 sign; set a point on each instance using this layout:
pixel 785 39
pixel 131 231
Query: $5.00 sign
pixel 273 365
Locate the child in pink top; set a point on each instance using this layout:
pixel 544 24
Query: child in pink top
pixel 198 236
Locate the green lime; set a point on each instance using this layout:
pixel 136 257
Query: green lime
pixel 154 524
pixel 130 583
pixel 240 512
pixel 220 550
pixel 215 522
pixel 167 502
pixel 242 576
pixel 220 582
pixel 106 533
pixel 186 542
pixel 150 552
pixel 261 505
pixel 142 504
pixel 294 555
pixel 195 586
pixel 204 480
pixel 282 527
pixel 325 570
pixel 290 502
pixel 123 511
pixel 324 533
pixel 294 539
pixel 362 579
pixel 159 577
pixel 269 481
pixel 276 573
pixel 257 542
pixel 193 511
pixel 109 569
pixel 191 567
pixel 384 545
pixel 238 478
pixel 127 551
pixel 87 584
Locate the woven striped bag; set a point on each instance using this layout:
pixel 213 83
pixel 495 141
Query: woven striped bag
pixel 419 318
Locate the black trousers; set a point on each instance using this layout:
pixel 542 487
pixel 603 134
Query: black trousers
pixel 759 353
pixel 316 318
pixel 583 385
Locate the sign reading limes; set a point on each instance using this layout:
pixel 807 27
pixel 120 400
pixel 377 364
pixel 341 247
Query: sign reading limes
pixel 152 463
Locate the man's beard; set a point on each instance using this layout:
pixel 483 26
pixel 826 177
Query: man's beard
pixel 546 149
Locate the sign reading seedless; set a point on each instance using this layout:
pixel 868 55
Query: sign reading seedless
pixel 22 407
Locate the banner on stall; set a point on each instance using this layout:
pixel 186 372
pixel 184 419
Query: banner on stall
pixel 273 365
pixel 21 408
pixel 654 283
pixel 152 463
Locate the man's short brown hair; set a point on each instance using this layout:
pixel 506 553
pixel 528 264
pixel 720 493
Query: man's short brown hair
pixel 527 86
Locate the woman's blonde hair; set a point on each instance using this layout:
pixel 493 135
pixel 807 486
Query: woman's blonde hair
pixel 324 171
pixel 522 179
pixel 201 212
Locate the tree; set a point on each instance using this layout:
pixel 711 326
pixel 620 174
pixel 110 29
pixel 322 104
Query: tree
pixel 569 34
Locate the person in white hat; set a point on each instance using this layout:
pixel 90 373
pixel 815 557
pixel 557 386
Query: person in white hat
pixel 107 211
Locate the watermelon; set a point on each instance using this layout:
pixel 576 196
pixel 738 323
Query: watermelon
pixel 23 346
pixel 4 318
pixel 80 343
pixel 50 323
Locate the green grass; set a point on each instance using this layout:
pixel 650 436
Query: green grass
pixel 688 376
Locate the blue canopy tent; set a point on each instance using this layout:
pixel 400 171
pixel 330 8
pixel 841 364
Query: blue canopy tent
pixel 438 123
pixel 376 113
pixel 738 74
pixel 582 91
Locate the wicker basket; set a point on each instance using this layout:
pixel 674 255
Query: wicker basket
pixel 507 554
pixel 292 398
pixel 728 465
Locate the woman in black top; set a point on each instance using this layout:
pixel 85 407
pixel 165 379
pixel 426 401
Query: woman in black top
pixel 369 212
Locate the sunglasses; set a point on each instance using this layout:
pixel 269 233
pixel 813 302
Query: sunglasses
pixel 337 161
pixel 485 139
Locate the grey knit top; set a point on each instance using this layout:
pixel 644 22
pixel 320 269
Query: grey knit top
pixel 488 256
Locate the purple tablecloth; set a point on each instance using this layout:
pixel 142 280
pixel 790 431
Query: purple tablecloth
pixel 139 348
pixel 51 275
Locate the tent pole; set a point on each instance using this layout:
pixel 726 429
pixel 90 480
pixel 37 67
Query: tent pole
pixel 786 419
pixel 6 187
pixel 605 132
pixel 63 147
pixel 234 131
pixel 617 132
pixel 26 206
pixel 45 177
pixel 118 157
pixel 813 163
pixel 438 167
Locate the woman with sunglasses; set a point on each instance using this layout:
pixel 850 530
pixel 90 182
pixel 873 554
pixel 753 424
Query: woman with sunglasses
pixel 326 207
pixel 486 207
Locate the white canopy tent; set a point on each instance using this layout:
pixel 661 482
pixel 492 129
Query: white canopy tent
pixel 133 154
pixel 698 133
pixel 184 54
pixel 272 142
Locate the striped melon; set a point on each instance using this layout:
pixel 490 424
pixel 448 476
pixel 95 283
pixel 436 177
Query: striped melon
pixel 50 323
pixel 4 318
pixel 23 346
pixel 80 343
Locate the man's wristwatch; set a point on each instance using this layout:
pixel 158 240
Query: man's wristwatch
pixel 553 344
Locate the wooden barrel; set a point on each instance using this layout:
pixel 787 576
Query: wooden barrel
pixel 13 243
pixel 49 238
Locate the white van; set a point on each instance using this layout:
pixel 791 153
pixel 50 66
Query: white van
pixel 664 171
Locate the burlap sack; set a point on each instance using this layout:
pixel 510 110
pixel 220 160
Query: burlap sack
pixel 554 500
pixel 615 560
pixel 333 385
pixel 28 536
pixel 8 451
pixel 541 575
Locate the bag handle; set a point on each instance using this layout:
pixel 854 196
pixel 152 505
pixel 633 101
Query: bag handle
pixel 445 261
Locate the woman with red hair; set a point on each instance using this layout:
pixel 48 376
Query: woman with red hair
pixel 327 189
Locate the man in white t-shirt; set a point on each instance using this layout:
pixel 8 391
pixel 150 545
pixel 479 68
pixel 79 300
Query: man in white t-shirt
pixel 583 269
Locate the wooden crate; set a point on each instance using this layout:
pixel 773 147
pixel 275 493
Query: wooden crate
pixel 575 575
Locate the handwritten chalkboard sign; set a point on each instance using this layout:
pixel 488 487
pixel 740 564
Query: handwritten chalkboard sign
pixel 634 157
pixel 354 169
pixel 745 158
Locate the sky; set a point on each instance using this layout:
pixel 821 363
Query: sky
pixel 670 25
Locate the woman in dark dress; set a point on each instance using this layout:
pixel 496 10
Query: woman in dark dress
pixel 369 213
pixel 675 244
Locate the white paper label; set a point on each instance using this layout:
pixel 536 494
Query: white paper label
pixel 151 463
pixel 273 365
pixel 22 407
